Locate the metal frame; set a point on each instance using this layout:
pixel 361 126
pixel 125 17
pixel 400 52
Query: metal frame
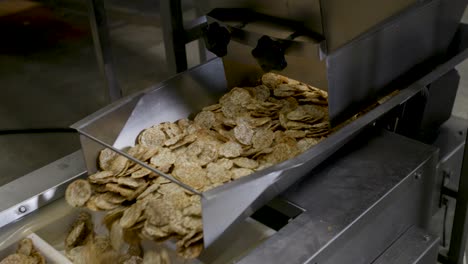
pixel 102 46
pixel 174 35
pixel 39 188
pixel 460 225
pixel 415 246
pixel 459 233
pixel 177 35
pixel 345 203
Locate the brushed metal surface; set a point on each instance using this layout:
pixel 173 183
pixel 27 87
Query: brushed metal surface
pixel 305 11
pixel 339 20
pixel 415 246
pixel 242 68
pixel 356 204
pixel 38 188
pixel 176 98
pixel 345 20
pixel 451 142
pixel 368 65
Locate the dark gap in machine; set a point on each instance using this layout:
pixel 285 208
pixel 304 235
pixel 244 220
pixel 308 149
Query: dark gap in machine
pixel 277 213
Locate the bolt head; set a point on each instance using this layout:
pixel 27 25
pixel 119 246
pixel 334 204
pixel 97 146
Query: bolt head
pixel 418 175
pixel 22 209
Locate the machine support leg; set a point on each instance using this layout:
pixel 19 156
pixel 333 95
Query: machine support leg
pixel 460 225
pixel 174 35
pixel 101 39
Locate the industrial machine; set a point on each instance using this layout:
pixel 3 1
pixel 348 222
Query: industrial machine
pixel 375 191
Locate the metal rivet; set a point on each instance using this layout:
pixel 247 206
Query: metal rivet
pixel 22 209
pixel 417 175
pixel 426 238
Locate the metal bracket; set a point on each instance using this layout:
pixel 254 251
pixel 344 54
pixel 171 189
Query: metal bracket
pixel 101 39
pixel 460 225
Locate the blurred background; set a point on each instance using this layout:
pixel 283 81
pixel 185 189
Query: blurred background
pixel 49 75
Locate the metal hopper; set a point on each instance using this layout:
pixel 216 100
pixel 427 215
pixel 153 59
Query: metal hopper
pixel 118 125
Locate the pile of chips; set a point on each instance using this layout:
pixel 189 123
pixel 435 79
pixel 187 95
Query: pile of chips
pixel 25 253
pixel 84 246
pixel 248 130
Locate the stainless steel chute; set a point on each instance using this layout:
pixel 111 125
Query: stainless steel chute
pixel 174 99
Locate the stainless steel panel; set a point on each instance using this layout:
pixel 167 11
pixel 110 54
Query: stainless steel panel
pixel 415 246
pixel 439 104
pixel 338 20
pixel 345 20
pixel 369 64
pixel 115 122
pixel 366 188
pixel 459 234
pixel 242 68
pixel 102 47
pixel 305 11
pixel 451 142
pixel 38 188
pixel 249 234
pixel 188 93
